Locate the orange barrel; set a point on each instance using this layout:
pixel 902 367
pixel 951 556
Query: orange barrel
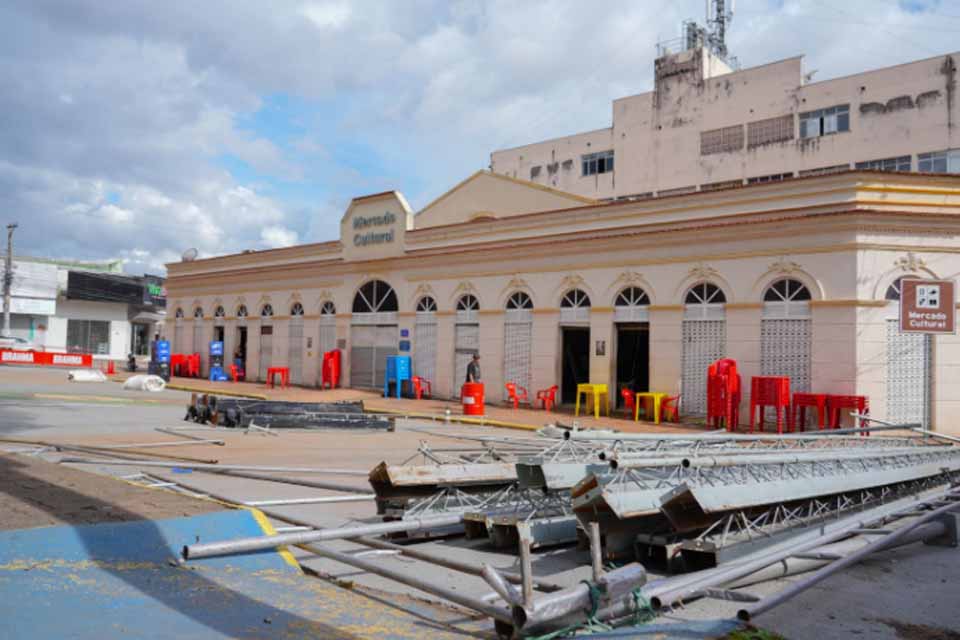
pixel 471 394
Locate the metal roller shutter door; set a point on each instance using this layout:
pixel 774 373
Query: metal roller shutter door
pixel 466 342
pixel 362 340
pixel 704 342
pixel 386 345
pixel 425 347
pixel 197 337
pixel 517 348
pixel 909 378
pixel 785 350
pixel 266 352
pixel 295 350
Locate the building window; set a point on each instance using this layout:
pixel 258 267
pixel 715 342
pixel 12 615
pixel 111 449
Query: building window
pixel 823 171
pixel 901 163
pixel 242 311
pixel 88 336
pixel 296 309
pixel 519 300
pixel 468 302
pixel 721 140
pixel 328 309
pixel 375 296
pixel 219 312
pixel 426 304
pixel 266 310
pixel 939 161
pixel 825 121
pixel 717 186
pixel 774 177
pixel 534 172
pixel 198 312
pixel 770 130
pixel 594 163
pixel 679 191
pixel 178 313
pixel 786 299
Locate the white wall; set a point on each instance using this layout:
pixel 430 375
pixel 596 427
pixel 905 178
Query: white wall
pixel 113 312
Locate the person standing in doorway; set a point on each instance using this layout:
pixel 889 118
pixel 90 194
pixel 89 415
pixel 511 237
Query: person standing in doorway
pixel 473 369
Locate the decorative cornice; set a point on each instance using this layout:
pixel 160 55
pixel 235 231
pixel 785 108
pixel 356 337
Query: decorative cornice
pixel 910 263
pixel 424 289
pixel 464 287
pixel 571 281
pixel 517 282
pixel 784 266
pixel 629 278
pixel 701 271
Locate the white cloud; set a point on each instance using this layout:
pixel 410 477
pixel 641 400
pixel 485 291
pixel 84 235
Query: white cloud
pixel 117 116
pixel 274 237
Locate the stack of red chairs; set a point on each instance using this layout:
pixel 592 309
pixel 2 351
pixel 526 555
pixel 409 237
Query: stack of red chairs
pixel 193 365
pixel 770 391
pixel 330 373
pixel 723 394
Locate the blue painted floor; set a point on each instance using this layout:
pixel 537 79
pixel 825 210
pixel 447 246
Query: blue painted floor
pixel 124 581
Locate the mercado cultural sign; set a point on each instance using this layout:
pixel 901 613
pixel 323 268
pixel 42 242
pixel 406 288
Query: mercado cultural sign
pixel 375 236
pixel 928 306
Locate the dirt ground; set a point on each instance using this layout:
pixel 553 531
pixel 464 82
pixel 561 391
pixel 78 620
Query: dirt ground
pixel 36 493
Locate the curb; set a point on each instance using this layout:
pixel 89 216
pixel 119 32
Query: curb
pixel 217 392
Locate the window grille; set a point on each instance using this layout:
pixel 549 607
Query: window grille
pixel 721 140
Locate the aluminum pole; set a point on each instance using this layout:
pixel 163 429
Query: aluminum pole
pixel 497 613
pixel 258 543
pixel 318 500
pixel 216 467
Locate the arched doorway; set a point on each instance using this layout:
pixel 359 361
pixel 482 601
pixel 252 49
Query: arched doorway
pixel 179 332
pixel 295 344
pixel 574 343
pixel 373 333
pixel 704 342
pixel 518 340
pixel 266 341
pixel 425 339
pixel 198 330
pixel 466 338
pixel 240 351
pixel 909 367
pixel 786 334
pixel 631 317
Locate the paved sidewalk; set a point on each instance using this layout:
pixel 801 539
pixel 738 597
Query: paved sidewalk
pixel 495 413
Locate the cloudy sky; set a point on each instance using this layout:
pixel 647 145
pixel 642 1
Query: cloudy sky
pixel 134 129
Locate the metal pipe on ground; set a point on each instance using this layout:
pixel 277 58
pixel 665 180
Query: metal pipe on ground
pixel 880 544
pixel 476 604
pixel 318 500
pixel 330 486
pixel 220 467
pixel 257 543
pixel 99 451
pixel 150 445
pixel 179 434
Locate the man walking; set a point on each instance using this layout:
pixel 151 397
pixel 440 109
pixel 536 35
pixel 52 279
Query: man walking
pixel 473 369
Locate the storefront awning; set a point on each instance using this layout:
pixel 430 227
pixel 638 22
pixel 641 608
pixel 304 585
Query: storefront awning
pixel 148 317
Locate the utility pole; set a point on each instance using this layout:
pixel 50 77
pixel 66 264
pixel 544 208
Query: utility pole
pixel 8 278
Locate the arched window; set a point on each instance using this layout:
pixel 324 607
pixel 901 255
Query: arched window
pixel 631 305
pixel 375 296
pixel 426 304
pixel 219 312
pixel 786 299
pixel 242 311
pixel 519 300
pixel 296 309
pixel 893 291
pixel 198 312
pixel 632 297
pixel 266 310
pixel 704 301
pixel 575 298
pixel 575 307
pixel 179 313
pixel 328 308
pixel 468 302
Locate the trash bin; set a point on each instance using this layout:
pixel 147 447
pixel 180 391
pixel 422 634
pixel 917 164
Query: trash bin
pixel 471 395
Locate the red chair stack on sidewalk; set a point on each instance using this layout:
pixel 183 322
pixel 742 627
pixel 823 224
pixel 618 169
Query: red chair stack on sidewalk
pixel 723 394
pixel 330 371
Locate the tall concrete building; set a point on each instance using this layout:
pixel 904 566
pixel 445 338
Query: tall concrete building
pixel 707 126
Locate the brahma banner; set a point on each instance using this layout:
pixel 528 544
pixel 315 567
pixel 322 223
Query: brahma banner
pixel 41 358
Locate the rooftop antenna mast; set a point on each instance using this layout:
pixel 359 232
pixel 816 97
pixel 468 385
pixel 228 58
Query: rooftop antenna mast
pixel 719 15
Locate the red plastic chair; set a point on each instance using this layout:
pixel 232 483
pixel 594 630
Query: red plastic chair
pixel 421 387
pixel 236 373
pixel 547 398
pixel 629 401
pixel 517 394
pixel 836 404
pixel 670 409
pixel 330 373
pixel 770 391
pixel 723 394
pixel 193 365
